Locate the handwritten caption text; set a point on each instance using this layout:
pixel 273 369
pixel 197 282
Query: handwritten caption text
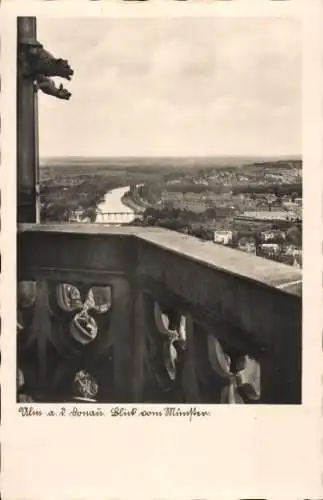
pixel 115 411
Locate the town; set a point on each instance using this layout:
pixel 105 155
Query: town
pixel 255 208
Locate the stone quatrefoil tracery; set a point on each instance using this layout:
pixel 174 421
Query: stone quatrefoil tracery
pixel 240 385
pixel 78 308
pixel 80 303
pixel 83 326
pixel 75 305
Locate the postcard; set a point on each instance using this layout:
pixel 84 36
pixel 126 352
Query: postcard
pixel 161 178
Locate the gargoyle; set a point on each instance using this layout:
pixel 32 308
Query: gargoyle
pixel 48 86
pixel 44 63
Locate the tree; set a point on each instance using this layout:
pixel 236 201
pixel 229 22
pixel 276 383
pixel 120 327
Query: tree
pixel 294 236
pixel 89 213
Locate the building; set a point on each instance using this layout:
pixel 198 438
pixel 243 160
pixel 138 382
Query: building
pixel 222 237
pixel 248 247
pixel 272 234
pixel 270 248
pixel 270 215
pixel 193 202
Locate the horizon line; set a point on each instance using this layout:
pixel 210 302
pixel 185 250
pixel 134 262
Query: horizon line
pixel 291 155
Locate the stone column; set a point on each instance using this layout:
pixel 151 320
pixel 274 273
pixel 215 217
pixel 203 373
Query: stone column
pixel 27 144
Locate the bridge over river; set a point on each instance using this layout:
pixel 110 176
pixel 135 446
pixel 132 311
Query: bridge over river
pixel 115 217
pixel 112 210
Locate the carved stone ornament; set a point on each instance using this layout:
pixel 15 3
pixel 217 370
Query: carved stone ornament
pixel 38 64
pixel 175 338
pixel 242 384
pixel 85 387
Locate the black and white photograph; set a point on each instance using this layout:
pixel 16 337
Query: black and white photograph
pixel 159 210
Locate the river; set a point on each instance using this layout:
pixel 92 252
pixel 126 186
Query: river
pixel 112 203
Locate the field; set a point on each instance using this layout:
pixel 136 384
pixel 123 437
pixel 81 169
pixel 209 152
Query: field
pixel 124 171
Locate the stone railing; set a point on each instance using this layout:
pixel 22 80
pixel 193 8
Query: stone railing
pixel 150 315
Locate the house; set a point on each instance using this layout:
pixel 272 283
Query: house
pixel 222 237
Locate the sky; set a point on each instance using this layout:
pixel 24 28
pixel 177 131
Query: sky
pixel 174 87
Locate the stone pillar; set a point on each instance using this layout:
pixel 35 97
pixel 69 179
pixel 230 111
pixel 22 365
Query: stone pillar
pixel 120 331
pixel 142 305
pixel 27 144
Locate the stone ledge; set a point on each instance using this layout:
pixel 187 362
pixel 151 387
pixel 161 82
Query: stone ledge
pixel 234 262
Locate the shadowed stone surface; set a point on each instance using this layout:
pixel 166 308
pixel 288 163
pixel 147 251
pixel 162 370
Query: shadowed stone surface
pixel 252 304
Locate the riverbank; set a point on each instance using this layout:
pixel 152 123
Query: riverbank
pixel 132 200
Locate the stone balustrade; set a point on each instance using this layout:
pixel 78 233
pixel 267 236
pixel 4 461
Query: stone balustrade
pixel 149 315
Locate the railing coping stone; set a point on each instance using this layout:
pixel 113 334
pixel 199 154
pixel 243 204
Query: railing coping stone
pixel 234 262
